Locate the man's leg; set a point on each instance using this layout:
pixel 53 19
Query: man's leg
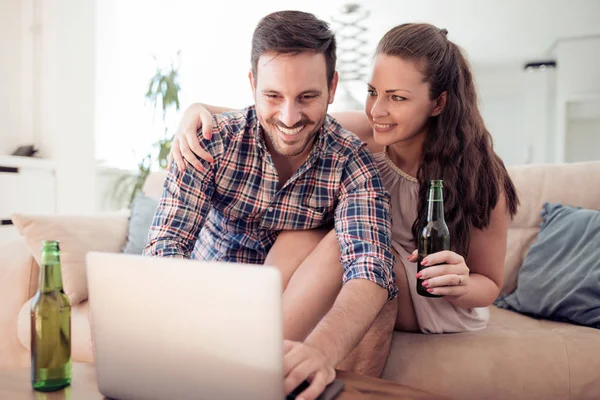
pixel 370 356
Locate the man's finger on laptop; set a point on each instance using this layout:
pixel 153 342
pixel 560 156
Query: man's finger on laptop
pixel 300 373
pixel 318 384
pixel 292 358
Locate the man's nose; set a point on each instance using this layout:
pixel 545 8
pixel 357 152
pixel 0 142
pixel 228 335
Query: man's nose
pixel 290 113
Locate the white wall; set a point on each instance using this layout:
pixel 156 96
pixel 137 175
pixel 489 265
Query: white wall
pixel 545 116
pixel 10 74
pixel 578 81
pixel 47 94
pixel 516 107
pixel 583 142
pixel 67 100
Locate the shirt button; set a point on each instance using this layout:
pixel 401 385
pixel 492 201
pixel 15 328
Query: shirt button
pixel 270 209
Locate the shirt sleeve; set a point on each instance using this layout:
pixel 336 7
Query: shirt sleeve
pixel 185 203
pixel 363 224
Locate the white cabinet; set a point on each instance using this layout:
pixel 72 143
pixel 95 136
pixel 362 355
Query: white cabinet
pixel 27 185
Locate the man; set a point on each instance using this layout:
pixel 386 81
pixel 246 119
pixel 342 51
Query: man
pixel 283 164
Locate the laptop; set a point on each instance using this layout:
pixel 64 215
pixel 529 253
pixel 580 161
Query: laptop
pixel 165 328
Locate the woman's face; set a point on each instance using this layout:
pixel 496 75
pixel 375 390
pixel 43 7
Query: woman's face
pixel 398 104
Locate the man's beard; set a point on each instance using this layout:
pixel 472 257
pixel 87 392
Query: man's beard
pixel 275 137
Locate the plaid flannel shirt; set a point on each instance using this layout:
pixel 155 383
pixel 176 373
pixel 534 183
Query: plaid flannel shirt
pixel 234 209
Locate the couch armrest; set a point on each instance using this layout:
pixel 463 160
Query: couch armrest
pixel 18 278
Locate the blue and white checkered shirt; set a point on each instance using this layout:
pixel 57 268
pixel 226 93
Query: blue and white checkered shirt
pixel 234 209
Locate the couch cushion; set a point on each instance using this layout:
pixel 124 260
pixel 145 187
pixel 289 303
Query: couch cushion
pixel 16 275
pixel 143 209
pixel 515 357
pixel 537 184
pixel 81 338
pixel 77 235
pixel 560 276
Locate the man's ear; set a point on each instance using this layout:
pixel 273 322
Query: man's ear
pixel 333 87
pixel 440 103
pixel 252 82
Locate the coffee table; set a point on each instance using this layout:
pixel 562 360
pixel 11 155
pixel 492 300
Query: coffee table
pixel 16 385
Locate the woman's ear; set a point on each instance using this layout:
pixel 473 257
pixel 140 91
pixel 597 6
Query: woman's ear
pixel 440 103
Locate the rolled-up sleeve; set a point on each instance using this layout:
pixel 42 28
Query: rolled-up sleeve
pixel 363 225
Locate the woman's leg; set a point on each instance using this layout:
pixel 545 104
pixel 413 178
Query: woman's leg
pixel 291 248
pixel 406 319
pixel 312 277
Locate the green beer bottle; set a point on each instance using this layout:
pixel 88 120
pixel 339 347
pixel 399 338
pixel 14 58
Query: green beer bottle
pixel 50 325
pixel 434 236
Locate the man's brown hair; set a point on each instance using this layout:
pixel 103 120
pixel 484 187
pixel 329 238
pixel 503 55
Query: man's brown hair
pixel 294 32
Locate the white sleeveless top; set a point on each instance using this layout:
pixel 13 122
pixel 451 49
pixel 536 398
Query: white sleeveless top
pixel 434 315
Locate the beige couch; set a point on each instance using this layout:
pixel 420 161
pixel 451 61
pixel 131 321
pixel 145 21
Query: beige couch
pixel 516 357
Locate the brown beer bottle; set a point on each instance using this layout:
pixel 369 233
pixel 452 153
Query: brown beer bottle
pixel 434 236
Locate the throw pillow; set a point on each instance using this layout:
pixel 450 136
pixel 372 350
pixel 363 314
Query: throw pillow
pixel 77 235
pixel 140 220
pixel 560 276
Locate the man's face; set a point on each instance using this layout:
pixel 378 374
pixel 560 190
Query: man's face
pixel 291 97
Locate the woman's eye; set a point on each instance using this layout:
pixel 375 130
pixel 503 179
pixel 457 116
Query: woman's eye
pixel 395 97
pixel 371 92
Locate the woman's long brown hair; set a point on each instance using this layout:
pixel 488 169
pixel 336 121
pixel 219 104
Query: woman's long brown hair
pixel 458 148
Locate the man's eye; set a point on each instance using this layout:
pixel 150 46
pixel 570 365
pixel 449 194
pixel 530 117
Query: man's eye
pixel 308 97
pixel 271 95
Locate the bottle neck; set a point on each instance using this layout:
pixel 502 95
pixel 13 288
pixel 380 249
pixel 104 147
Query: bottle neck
pixel 435 205
pixel 50 274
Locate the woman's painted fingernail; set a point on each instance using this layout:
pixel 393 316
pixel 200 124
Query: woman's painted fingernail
pixel 419 274
pixel 424 261
pixel 425 283
pixel 430 290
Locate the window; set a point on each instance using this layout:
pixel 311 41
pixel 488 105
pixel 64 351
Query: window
pixel 214 39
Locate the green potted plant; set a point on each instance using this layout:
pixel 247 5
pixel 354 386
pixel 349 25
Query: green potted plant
pixel 163 94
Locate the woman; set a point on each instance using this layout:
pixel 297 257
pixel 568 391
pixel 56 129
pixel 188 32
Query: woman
pixel 421 122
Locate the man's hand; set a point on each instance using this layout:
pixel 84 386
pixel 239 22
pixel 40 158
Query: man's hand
pixel 302 362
